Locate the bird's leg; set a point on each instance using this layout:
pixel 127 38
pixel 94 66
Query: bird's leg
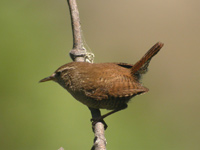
pixel 96 115
pixel 114 111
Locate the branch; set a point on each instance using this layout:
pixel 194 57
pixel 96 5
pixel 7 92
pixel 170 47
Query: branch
pixel 98 129
pixel 99 140
pixel 78 51
pixel 79 54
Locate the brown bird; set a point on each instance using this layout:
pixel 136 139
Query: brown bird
pixel 104 85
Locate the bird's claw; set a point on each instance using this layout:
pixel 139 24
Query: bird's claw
pixel 96 120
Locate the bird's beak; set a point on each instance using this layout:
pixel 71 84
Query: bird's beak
pixel 50 78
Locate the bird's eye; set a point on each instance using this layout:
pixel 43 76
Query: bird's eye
pixel 58 74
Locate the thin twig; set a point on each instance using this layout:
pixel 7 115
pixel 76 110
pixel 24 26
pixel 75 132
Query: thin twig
pixel 98 129
pixel 79 53
pixel 99 140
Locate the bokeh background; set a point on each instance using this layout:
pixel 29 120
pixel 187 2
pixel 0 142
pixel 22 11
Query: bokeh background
pixel 35 39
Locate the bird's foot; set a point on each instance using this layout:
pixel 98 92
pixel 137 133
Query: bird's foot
pixel 96 120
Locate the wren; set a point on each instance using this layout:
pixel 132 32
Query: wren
pixel 104 85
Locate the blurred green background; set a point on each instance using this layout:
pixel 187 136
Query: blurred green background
pixel 35 39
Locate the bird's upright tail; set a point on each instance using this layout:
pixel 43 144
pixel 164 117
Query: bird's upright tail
pixel 142 65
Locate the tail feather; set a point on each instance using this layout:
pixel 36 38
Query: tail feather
pixel 142 65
